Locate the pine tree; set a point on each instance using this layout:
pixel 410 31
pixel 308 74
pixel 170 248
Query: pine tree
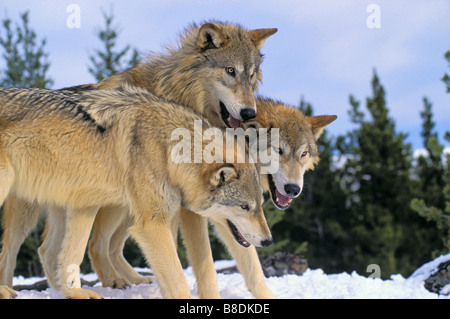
pixel 430 169
pixel 446 78
pixel 109 61
pixel 439 215
pixel 25 56
pixel 434 203
pixel 381 226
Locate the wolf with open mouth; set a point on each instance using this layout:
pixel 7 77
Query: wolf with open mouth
pixel 297 147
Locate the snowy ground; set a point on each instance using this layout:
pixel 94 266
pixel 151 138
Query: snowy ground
pixel 314 284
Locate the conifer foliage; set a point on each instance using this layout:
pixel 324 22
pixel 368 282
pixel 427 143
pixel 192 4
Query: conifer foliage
pixel 24 55
pixel 109 61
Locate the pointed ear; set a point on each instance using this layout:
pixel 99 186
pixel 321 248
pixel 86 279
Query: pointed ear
pixel 259 36
pixel 223 175
pixel 319 122
pixel 210 37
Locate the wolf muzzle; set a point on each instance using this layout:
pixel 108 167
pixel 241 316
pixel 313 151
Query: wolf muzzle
pixel 267 242
pixel 247 114
pixel 292 190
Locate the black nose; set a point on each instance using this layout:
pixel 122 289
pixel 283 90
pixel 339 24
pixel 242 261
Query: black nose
pixel 248 114
pixel 267 242
pixel 292 190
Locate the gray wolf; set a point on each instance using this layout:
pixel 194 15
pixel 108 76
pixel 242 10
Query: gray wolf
pixel 214 69
pixel 101 148
pixel 298 153
pixel 297 147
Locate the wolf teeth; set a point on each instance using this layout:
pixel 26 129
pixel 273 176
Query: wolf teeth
pixel 290 200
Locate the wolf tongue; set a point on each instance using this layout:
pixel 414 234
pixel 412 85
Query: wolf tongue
pixel 281 199
pixel 233 122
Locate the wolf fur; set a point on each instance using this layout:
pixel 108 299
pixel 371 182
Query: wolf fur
pixel 214 70
pixel 195 73
pixel 101 148
pixel 298 135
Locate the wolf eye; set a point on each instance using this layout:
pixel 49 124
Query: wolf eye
pixel 280 151
pixel 230 71
pixel 253 79
pixel 245 207
pixel 304 153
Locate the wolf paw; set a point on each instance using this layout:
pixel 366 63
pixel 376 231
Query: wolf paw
pixel 79 293
pixel 116 283
pixel 143 280
pixel 7 293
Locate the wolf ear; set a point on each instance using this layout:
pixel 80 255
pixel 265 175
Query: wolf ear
pixel 223 175
pixel 210 37
pixel 259 36
pixel 319 122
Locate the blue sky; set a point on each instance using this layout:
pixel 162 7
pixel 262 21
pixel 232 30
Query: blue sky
pixel 323 51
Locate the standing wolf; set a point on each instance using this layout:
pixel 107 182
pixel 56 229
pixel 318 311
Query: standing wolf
pixel 110 148
pixel 214 70
pixel 298 153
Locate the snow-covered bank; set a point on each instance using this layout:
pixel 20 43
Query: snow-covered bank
pixel 313 284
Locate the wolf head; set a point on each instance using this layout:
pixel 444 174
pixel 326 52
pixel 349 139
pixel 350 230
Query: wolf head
pixel 297 147
pixel 236 198
pixel 230 63
pixel 214 69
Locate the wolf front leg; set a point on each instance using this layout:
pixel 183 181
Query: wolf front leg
pixel 194 229
pixel 53 237
pixel 78 227
pixel 6 182
pixel 7 293
pixel 155 239
pixel 106 248
pixel 106 223
pixel 121 265
pixel 19 218
pixel 247 262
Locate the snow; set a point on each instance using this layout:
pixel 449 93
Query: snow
pixel 313 284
